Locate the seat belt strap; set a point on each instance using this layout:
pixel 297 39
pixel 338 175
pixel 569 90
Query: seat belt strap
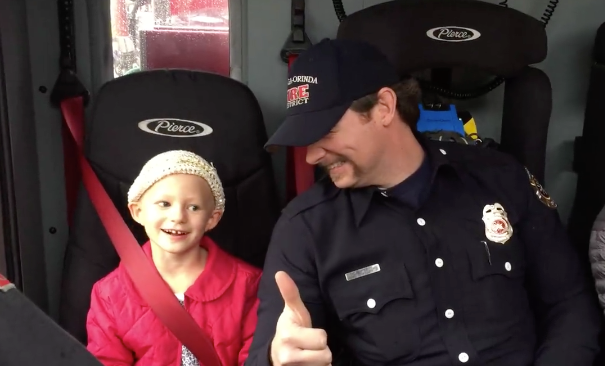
pixel 300 176
pixel 143 273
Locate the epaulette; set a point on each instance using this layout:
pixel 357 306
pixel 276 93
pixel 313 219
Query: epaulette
pixel 322 191
pixel 503 164
pixel 475 156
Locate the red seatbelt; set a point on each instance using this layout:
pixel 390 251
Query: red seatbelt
pixel 146 278
pixel 300 175
pixel 72 173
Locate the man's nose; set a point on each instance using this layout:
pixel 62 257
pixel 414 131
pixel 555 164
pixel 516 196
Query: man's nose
pixel 314 154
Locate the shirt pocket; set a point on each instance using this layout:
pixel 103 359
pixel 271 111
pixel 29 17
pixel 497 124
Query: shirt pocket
pixel 380 308
pixel 498 273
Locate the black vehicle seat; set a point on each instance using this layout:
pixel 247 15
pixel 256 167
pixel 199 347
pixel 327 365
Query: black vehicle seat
pixel 137 116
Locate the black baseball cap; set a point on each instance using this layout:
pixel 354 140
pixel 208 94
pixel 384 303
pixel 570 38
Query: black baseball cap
pixel 323 81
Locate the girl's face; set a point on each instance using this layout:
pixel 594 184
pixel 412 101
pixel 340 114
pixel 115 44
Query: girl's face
pixel 176 212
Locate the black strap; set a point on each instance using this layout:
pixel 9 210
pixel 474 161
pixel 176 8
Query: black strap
pixel 297 41
pixel 451 136
pixel 67 85
pixel 66 33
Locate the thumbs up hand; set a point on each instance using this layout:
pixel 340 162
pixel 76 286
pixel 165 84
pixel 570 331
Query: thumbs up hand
pixel 295 341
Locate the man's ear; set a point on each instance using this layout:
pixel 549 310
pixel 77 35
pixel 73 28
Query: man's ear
pixel 135 211
pixel 386 106
pixel 213 220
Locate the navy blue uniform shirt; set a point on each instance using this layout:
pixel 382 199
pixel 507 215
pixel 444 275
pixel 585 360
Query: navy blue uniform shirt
pixel 413 191
pixel 397 285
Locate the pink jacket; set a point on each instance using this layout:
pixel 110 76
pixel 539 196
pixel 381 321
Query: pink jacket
pixel 122 329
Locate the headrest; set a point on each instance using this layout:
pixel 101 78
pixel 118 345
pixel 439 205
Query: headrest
pixel 142 114
pixel 417 35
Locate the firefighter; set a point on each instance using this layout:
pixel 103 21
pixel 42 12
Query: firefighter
pixel 412 252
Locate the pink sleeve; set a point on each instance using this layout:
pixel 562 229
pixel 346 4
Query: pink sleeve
pixel 249 319
pixel 103 341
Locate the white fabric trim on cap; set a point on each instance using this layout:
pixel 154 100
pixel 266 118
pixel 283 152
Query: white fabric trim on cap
pixel 177 162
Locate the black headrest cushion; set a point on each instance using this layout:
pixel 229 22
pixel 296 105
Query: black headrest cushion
pixel 140 115
pixel 417 35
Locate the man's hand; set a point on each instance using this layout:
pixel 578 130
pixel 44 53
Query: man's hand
pixel 295 341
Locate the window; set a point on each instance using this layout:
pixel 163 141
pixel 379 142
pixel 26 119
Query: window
pixel 154 34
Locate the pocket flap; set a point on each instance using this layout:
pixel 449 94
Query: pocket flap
pixel 371 293
pixel 487 259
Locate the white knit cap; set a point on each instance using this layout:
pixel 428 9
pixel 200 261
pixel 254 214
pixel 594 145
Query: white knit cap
pixel 177 162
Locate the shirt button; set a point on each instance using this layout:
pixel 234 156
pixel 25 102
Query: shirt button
pixel 443 151
pixel 449 313
pixel 384 193
pixel 439 262
pixel 508 266
pixel 421 221
pixel 463 357
pixel 371 303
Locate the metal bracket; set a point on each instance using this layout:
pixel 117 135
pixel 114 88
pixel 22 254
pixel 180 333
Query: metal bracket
pixel 297 41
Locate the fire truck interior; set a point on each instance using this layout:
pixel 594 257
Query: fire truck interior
pixel 86 87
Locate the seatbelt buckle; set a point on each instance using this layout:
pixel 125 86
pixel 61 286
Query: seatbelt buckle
pixel 298 41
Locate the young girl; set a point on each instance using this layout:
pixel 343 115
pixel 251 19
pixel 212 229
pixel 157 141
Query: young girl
pixel 177 197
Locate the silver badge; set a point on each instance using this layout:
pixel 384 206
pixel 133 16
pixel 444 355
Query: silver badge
pixel 362 272
pixel 497 227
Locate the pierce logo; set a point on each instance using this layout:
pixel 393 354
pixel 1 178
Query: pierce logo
pixel 453 34
pixel 174 127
